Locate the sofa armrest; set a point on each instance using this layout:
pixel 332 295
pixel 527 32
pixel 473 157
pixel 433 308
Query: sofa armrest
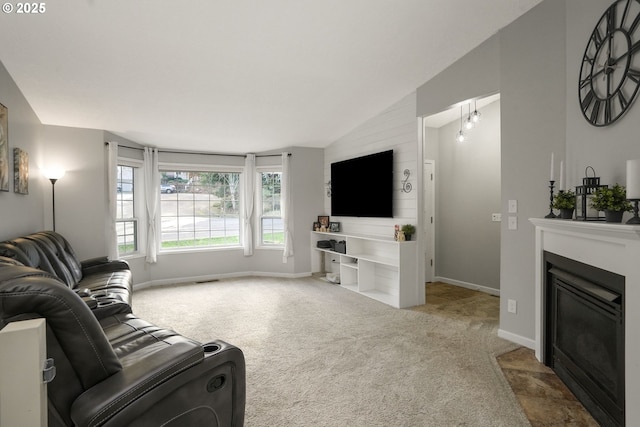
pixel 102 264
pixel 166 385
pixel 101 402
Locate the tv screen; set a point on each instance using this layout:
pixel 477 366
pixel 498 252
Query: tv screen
pixel 363 187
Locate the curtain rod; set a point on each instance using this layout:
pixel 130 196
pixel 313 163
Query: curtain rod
pixel 199 153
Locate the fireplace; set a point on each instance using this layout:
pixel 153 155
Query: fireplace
pixel 610 247
pixel 584 334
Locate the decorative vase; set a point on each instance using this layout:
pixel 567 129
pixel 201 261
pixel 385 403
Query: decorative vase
pixel 613 216
pixel 407 237
pixel 566 213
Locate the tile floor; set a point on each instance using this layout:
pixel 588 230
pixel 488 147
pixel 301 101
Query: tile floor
pixel 545 399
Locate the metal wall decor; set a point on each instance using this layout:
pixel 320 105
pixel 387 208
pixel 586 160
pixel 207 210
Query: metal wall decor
pixel 610 72
pixel 584 194
pixel 406 185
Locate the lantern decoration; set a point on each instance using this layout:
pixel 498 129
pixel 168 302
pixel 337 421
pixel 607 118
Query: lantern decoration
pixel 584 194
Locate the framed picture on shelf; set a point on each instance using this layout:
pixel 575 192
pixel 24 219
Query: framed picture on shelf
pixel 324 221
pixel 316 226
pixel 334 227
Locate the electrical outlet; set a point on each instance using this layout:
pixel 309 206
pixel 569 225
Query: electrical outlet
pixel 496 217
pixel 512 306
pixel 513 223
pixel 513 206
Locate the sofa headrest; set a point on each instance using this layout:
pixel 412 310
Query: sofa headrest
pixel 10 261
pixel 27 253
pixel 25 290
pixel 65 270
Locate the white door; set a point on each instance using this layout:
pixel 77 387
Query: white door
pixel 429 220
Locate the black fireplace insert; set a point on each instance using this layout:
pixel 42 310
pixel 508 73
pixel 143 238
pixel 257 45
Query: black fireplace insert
pixel 584 334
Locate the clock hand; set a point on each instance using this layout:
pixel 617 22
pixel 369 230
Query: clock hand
pixel 631 51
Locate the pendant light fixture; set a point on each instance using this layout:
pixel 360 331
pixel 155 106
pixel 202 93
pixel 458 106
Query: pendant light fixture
pixel 475 116
pixel 468 122
pixel 460 137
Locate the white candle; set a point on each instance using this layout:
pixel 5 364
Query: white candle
pixel 561 187
pixel 633 179
pixel 552 177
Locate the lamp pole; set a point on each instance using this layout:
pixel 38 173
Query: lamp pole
pixel 53 175
pixel 53 200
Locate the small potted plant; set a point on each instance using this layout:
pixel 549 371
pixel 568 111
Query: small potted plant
pixel 408 230
pixel 566 202
pixel 613 201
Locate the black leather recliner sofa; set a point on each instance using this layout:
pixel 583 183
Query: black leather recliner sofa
pixel 51 252
pixel 115 369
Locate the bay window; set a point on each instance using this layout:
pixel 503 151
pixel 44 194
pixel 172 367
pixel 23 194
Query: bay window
pixel 199 209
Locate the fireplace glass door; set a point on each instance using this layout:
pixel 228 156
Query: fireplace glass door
pixel 585 337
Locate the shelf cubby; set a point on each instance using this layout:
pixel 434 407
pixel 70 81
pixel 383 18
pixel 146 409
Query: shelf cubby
pixel 378 267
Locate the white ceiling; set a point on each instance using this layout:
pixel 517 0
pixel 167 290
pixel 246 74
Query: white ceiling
pixel 236 75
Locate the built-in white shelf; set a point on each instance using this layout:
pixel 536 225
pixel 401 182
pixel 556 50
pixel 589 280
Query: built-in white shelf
pixel 378 267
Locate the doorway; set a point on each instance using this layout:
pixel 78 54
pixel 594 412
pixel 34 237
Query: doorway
pixel 429 226
pixel 462 205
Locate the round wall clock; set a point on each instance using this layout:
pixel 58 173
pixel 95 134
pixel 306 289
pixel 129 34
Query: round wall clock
pixel 610 71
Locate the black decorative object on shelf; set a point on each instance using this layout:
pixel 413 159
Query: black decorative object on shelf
pixel 584 194
pixel 551 214
pixel 635 219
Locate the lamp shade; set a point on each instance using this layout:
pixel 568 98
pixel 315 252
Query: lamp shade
pixel 54 173
pixel 633 179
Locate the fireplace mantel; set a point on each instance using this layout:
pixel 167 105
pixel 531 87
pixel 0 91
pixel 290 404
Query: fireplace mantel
pixel 612 247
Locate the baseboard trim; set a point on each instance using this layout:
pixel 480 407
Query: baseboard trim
pixel 472 286
pixel 518 339
pixel 213 277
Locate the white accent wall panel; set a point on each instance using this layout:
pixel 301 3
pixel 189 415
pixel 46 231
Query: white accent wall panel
pixel 393 129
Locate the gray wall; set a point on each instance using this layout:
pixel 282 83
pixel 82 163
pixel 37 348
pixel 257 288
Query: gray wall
pixel 608 148
pixel 538 61
pixel 525 62
pixel 81 192
pixel 467 193
pixel 532 87
pixel 21 214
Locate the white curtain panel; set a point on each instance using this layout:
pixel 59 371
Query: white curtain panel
pixel 287 211
pixel 152 199
pixel 112 178
pixel 249 197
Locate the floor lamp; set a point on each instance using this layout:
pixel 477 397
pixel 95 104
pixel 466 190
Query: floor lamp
pixel 53 175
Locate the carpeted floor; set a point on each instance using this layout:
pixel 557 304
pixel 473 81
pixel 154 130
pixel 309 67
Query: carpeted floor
pixel 320 355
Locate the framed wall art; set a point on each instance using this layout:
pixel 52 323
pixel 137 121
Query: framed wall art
pixel 20 171
pixel 4 148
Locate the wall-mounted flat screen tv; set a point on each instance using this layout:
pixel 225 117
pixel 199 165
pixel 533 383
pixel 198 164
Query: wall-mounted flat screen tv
pixel 363 186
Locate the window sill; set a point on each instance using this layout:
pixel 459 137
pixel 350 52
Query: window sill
pixel 270 247
pixel 203 249
pixel 131 256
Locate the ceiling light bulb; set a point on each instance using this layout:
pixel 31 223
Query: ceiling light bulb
pixel 460 137
pixel 468 123
pixel 475 116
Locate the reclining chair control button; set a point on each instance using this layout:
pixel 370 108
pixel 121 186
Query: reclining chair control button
pixel 48 371
pixel 216 383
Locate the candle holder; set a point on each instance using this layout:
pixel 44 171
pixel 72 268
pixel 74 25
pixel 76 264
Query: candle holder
pixel 551 214
pixel 636 218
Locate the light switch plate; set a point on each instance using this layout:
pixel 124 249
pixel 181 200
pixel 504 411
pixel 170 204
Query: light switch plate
pixel 513 206
pixel 513 223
